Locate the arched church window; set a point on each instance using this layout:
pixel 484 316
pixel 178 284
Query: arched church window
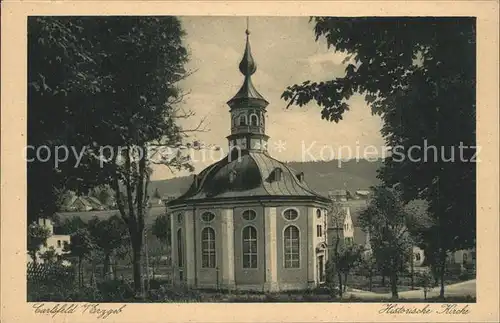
pixel 249 247
pixel 291 243
pixel 180 252
pixel 290 214
pixel 208 248
pixel 249 215
pixel 254 120
pixel 179 217
pixel 243 120
pixel 318 213
pixel 207 217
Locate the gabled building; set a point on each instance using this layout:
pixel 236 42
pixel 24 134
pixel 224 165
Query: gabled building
pixel 57 242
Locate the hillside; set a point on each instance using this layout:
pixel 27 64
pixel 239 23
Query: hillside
pixel 321 176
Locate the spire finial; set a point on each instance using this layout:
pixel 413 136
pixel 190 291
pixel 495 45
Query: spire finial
pixel 247 64
pixel 247 31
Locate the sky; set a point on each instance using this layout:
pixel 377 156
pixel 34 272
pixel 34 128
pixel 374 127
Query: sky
pixel 286 53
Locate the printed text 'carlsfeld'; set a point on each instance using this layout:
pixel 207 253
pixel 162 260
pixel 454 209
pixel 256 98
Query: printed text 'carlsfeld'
pixel 98 310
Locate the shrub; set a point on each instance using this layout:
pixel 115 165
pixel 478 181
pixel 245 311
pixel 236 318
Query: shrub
pixel 115 290
pixel 39 292
pixel 174 294
pixel 271 298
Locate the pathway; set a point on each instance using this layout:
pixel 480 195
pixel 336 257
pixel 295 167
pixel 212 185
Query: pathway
pixel 467 288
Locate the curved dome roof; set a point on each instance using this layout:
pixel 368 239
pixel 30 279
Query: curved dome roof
pixel 253 174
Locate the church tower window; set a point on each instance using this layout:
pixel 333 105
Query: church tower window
pixel 243 120
pixel 208 248
pixel 254 120
pixel 291 243
pixel 249 247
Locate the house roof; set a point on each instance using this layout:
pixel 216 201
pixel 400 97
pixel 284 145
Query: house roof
pixel 252 174
pixel 93 201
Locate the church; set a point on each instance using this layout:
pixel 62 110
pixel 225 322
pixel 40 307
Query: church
pixel 249 222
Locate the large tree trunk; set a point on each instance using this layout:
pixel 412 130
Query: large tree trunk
pixel 394 284
pixel 345 281
pixel 370 280
pixel 442 266
pixel 80 274
pixel 341 287
pixel 383 279
pixel 106 266
pixel 136 264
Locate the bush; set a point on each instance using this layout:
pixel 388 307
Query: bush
pixel 115 291
pixel 38 292
pixel 174 294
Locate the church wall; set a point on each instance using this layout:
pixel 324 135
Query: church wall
pixel 289 278
pixel 207 277
pixel 249 275
pixel 177 222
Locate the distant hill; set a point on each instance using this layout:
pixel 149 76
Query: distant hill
pixel 322 176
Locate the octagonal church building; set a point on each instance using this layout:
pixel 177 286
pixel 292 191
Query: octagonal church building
pixel 249 222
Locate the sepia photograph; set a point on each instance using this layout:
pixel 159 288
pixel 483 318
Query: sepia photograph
pixel 262 159
pixel 217 163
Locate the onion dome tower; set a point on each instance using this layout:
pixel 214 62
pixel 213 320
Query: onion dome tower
pixel 248 109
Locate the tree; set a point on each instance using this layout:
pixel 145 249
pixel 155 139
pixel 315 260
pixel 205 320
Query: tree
pixel 108 236
pixel 345 256
pixel 61 70
pixel 368 267
pixel 419 75
pixel 104 194
pixel 349 257
pixel 388 223
pixel 37 236
pixel 49 256
pixel 81 246
pixel 161 228
pixel 70 225
pixel 114 97
pixel 336 216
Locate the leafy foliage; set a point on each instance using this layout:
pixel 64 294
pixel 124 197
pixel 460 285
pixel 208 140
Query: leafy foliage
pixel 389 225
pixel 70 225
pixel 37 236
pixel 105 87
pixel 109 236
pixel 419 75
pixel 161 228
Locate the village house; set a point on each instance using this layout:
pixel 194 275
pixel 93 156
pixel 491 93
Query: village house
pixel 57 242
pixel 346 226
pixel 249 222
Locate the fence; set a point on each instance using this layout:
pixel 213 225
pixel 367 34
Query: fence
pixel 49 273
